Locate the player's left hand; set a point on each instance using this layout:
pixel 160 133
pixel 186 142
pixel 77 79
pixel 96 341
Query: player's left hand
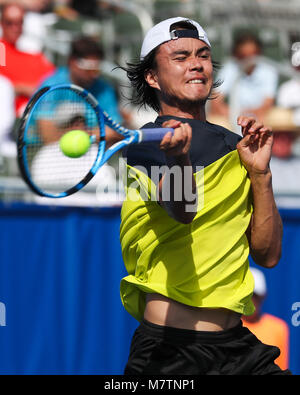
pixel 255 148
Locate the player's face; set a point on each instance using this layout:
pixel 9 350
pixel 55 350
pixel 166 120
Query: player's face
pixel 184 71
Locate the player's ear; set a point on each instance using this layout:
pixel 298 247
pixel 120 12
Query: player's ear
pixel 151 78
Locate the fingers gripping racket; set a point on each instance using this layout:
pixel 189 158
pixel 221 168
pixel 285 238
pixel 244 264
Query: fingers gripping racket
pixel 62 142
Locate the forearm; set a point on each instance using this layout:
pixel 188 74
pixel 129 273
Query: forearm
pixel 177 190
pixel 266 226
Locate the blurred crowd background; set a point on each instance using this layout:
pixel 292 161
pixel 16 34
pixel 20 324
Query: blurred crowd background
pixel 256 44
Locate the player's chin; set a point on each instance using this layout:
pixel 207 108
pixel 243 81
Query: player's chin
pixel 199 98
pixel 198 92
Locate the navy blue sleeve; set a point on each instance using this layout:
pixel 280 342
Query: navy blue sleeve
pixel 145 156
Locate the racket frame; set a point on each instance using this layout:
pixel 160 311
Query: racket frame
pixel 22 135
pixel 130 137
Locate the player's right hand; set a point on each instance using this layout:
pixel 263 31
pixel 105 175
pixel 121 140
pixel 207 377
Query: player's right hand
pixel 179 143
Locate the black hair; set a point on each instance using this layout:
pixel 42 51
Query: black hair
pixel 143 95
pixel 85 46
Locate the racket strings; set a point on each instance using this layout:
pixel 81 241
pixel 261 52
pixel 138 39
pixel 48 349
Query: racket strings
pixel 54 115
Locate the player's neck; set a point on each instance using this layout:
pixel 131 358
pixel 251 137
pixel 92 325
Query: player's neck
pixel 195 112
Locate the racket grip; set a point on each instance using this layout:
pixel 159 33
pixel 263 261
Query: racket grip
pixel 155 134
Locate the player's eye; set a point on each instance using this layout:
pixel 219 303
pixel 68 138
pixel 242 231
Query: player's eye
pixel 205 55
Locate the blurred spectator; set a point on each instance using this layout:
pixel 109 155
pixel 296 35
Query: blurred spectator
pixel 284 163
pixel 267 328
pixel 83 69
pixel 37 22
pixel 285 130
pixel 24 70
pixel 249 84
pixel 289 92
pixel 289 95
pixel 51 166
pixel 7 102
pixel 38 17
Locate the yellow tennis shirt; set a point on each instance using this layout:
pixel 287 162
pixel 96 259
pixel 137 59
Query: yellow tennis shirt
pixel 202 264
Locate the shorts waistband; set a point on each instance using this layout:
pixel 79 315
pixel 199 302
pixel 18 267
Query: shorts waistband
pixel 191 336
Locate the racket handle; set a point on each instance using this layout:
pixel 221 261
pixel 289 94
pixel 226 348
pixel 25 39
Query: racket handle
pixel 156 134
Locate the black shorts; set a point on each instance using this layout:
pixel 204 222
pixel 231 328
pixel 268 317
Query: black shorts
pixel 160 350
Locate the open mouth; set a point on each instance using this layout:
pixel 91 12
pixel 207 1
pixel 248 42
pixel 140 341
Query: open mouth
pixel 196 81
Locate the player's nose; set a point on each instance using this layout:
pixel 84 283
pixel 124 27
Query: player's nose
pixel 196 64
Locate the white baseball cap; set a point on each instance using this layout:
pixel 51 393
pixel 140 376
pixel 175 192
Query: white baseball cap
pixel 260 285
pixel 160 34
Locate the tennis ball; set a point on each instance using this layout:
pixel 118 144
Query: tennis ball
pixel 75 143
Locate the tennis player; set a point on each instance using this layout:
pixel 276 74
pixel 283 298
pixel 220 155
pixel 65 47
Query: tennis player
pixel 186 253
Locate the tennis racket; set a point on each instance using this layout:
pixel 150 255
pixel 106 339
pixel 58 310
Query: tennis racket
pixel 50 114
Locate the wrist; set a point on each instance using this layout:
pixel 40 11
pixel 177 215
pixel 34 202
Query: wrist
pixel 261 179
pixel 260 174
